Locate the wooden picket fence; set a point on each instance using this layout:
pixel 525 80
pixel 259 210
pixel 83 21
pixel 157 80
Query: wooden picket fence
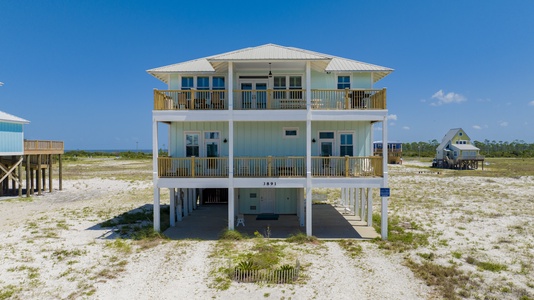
pixel 266 275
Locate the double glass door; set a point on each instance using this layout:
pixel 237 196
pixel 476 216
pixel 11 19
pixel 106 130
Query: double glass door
pixel 254 94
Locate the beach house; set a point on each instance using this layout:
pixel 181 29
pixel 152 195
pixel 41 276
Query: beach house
pixel 258 128
pixel 457 152
pixel 35 156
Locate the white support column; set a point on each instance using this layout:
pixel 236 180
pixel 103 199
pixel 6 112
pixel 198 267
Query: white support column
pixel 190 197
pixel 308 152
pixel 195 198
pixel 231 200
pixel 232 195
pixel 370 208
pixel 186 202
pixel 157 225
pixel 356 201
pixel 384 213
pixel 363 203
pixel 343 197
pixel 302 214
pixel 172 210
pixel 350 192
pixel 180 204
pixel 156 211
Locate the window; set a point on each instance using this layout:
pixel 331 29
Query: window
pixel 203 83
pixel 343 82
pixel 211 135
pixel 346 147
pixel 218 83
pixel 295 83
pixel 191 144
pixel 326 135
pixel 187 83
pixel 292 132
pixel 279 83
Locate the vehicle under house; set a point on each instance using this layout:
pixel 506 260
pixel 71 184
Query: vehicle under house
pixel 258 128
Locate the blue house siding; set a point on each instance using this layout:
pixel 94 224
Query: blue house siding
pixel 271 141
pixel 11 138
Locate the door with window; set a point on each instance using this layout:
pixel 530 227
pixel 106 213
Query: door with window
pixel 326 148
pixel 254 94
pixel 211 142
pixel 192 148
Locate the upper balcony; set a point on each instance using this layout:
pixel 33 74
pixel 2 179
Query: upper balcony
pixel 347 99
pixel 43 147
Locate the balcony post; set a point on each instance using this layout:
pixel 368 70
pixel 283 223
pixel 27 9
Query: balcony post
pixel 346 166
pixel 193 167
pixel 269 166
pixel 346 98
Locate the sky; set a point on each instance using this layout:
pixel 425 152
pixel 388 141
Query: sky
pixel 77 69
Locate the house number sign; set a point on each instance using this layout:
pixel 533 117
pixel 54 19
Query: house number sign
pixel 269 183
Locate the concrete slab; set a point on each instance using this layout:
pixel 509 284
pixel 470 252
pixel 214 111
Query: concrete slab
pixel 329 222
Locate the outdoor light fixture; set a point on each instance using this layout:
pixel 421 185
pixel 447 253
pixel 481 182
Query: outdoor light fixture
pixel 270 73
pixel 313 140
pixel 225 141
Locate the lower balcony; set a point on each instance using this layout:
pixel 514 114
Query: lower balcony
pixel 279 167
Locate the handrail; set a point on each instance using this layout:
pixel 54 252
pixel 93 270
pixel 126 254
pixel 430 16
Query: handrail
pixel 271 99
pixel 190 99
pixel 270 166
pixel 35 146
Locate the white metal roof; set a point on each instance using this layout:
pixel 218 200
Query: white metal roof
pixel 448 137
pixel 271 53
pixel 464 147
pixel 11 118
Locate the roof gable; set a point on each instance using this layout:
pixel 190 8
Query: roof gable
pixel 450 136
pixel 5 117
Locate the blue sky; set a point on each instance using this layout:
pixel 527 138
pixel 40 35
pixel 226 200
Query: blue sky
pixel 77 69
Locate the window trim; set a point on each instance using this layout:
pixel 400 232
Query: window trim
pixel 286 129
pixel 200 142
pixel 344 83
pixel 339 133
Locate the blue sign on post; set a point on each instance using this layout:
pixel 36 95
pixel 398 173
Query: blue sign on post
pixel 384 192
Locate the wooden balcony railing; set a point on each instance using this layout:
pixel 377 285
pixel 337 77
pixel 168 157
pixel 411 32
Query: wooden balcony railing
pixel 288 166
pixel 43 147
pixel 190 100
pixel 347 99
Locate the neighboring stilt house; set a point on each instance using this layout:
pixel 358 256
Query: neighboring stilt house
pixel 257 128
pixel 35 156
pixel 457 152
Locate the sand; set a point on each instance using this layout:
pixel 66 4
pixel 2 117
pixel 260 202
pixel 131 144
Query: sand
pixel 53 248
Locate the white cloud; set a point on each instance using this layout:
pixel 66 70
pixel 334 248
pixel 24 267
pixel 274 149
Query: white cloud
pixel 503 124
pixel 391 123
pixel 477 127
pixel 392 117
pixel 531 103
pixel 447 98
pixel 406 128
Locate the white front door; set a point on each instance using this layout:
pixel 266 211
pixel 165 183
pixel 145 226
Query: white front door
pixel 254 94
pixel 267 201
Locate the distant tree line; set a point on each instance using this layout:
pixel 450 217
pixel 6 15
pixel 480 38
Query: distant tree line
pixel 121 154
pixel 517 148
